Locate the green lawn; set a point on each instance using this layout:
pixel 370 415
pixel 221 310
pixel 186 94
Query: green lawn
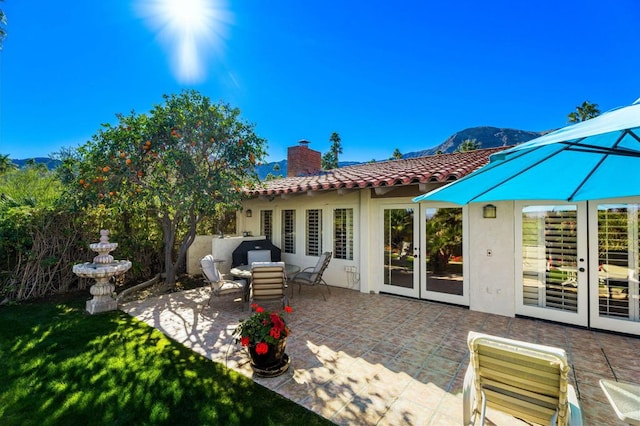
pixel 63 366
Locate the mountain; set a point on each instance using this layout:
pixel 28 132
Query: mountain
pixel 51 164
pixel 488 137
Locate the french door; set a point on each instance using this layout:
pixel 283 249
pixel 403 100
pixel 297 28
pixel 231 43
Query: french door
pixel 552 273
pixel 422 251
pixel 400 266
pixel 443 253
pixel 613 283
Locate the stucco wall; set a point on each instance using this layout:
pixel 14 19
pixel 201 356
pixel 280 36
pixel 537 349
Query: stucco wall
pixel 335 275
pixel 200 248
pixel 491 277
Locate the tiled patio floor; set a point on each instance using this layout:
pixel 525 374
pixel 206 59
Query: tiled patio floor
pixel 376 359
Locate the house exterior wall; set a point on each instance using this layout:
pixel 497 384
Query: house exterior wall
pixel 492 278
pixel 335 275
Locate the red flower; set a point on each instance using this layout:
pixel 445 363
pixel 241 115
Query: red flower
pixel 254 305
pixel 277 321
pixel 275 333
pixel 288 309
pixel 244 341
pixel 259 309
pixel 262 348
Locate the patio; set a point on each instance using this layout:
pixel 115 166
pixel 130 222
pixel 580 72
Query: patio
pixel 376 359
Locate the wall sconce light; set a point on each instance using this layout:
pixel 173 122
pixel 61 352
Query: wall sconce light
pixel 249 213
pixel 489 211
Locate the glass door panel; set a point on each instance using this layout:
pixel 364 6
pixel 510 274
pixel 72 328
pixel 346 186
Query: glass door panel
pixel 552 271
pixel 400 274
pixel 443 256
pixel 615 301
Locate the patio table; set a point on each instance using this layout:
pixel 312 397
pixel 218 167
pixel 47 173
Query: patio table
pixel 244 271
pixel 624 398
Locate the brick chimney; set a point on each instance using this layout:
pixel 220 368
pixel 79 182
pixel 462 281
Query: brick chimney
pixel 302 161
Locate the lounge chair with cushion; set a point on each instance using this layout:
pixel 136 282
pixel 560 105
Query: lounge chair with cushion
pixel 219 285
pixel 313 274
pixel 526 380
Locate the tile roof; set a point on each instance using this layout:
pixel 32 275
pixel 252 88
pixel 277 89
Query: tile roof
pixel 435 168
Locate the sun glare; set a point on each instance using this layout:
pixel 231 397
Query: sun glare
pixel 191 30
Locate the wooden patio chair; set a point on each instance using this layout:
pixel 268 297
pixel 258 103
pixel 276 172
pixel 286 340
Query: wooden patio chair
pixel 268 282
pixel 312 275
pixel 525 380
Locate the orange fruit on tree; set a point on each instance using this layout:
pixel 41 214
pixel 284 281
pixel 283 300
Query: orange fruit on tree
pixel 81 181
pixel 105 169
pixel 122 154
pixel 140 173
pixel 128 161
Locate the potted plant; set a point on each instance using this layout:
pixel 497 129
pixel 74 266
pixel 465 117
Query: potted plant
pixel 265 334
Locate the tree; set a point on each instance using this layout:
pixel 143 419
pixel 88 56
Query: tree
pixel 397 155
pixel 468 145
pixel 6 165
pixel 3 22
pixel 330 159
pixel 188 159
pixel 584 112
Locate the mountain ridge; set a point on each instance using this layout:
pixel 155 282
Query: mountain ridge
pixel 486 136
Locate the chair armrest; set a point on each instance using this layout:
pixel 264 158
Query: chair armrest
pixel 309 268
pixel 468 396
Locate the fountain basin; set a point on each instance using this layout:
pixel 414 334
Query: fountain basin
pixel 93 270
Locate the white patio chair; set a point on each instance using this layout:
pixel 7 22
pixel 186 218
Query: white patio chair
pixel 312 275
pixel 525 380
pixel 219 286
pixel 258 256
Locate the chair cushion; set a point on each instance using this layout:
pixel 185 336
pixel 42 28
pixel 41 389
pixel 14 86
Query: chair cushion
pixel 209 269
pixel 321 261
pixel 230 286
pixel 304 277
pixel 258 256
pixel 254 264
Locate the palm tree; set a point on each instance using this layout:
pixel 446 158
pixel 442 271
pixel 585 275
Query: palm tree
pixel 584 112
pixel 6 164
pixel 3 22
pixel 468 145
pixel 330 159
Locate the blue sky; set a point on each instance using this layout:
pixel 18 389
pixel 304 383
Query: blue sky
pixel 382 74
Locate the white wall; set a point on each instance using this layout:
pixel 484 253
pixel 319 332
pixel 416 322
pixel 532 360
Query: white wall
pixel 335 274
pixel 200 248
pixel 492 278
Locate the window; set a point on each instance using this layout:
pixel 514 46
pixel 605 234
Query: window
pixel 343 234
pixel 618 263
pixel 289 231
pixel 549 257
pixel 266 223
pixel 314 232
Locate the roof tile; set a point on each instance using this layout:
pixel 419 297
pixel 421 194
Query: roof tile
pixel 435 168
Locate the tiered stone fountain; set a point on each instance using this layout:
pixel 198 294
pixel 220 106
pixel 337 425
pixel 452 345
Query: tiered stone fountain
pixel 102 269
